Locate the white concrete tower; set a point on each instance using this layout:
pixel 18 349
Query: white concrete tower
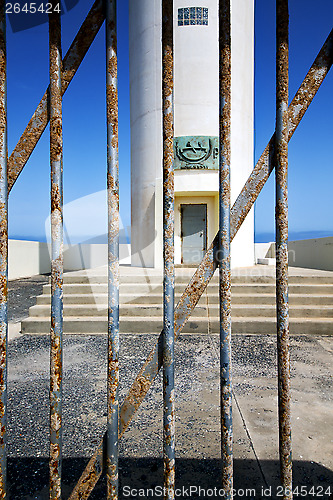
pixel 196 127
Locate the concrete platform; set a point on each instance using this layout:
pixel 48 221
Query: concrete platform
pixel 198 464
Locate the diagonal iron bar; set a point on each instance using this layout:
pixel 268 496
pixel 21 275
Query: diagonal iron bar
pixel 40 118
pixel 207 267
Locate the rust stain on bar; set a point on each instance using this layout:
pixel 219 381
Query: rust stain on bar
pixel 57 257
pixel 3 255
pixel 281 220
pixel 40 118
pixel 112 439
pixel 208 265
pixel 168 252
pixel 223 256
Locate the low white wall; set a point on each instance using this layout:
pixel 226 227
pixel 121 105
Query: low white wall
pixel 87 256
pixel 316 253
pixel 264 250
pixel 28 258
pixel 84 256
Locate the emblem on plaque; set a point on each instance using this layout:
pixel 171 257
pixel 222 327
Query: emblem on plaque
pixel 196 152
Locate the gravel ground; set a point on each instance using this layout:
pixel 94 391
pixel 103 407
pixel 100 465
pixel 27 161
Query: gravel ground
pixel 84 412
pixel 197 412
pixel 22 294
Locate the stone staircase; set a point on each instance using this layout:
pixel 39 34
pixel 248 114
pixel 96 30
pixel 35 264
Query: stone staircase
pixel 253 302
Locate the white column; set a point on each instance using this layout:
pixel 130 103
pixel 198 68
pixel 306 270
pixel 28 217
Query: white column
pixel 242 121
pixel 146 126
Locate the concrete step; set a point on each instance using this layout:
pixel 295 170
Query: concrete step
pixel 156 310
pixel 269 298
pixel 199 325
pixel 141 289
pixel 72 298
pixel 212 298
pixel 298 326
pixel 157 279
pixel 141 296
pixel 236 298
pixel 133 310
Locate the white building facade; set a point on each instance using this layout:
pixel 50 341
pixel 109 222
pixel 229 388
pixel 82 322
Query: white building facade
pixel 196 128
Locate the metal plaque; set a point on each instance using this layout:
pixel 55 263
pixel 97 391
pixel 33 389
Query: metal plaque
pixel 196 153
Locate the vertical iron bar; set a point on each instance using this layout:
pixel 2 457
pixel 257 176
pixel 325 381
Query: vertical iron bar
pixel 113 249
pixel 3 254
pixel 168 252
pixel 57 256
pixel 281 215
pixel 224 247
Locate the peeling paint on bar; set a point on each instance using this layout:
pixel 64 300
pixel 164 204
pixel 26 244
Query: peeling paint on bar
pixel 224 247
pixel 208 265
pixel 3 255
pixel 57 257
pixel 168 252
pixel 40 118
pixel 112 482
pixel 281 221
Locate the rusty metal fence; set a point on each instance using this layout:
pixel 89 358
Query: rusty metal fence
pixel 218 255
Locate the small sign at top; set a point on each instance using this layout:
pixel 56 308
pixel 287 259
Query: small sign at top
pixel 190 16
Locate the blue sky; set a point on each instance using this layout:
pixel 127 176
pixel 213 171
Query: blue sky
pixel 84 121
pixel 310 150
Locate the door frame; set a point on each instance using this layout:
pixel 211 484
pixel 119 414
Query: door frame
pixel 181 228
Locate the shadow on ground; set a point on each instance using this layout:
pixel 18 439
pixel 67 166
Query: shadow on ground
pixel 143 477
